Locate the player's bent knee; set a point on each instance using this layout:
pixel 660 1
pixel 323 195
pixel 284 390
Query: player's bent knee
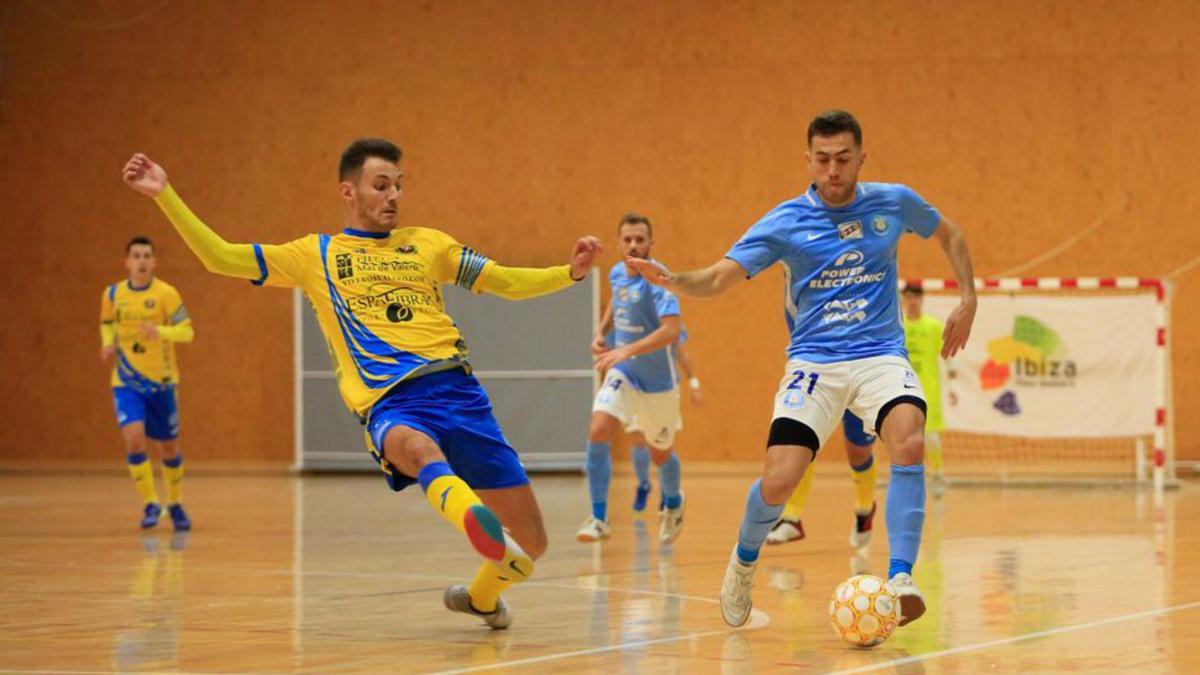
pixel 660 456
pixel 410 450
pixel 603 428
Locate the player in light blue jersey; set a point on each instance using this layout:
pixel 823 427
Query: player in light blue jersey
pixel 640 453
pixel 640 392
pixel 837 242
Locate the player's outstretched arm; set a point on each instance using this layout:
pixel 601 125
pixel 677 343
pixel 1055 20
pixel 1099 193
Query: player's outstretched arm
pixel 520 283
pixel 712 280
pixel 219 256
pixel 958 324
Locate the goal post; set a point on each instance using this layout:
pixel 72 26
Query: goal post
pixel 1063 380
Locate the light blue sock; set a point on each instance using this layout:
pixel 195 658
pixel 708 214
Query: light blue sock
pixel 599 472
pixel 668 476
pixel 760 517
pixel 641 463
pixel 905 516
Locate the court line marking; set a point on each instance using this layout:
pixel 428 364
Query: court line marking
pixel 1019 638
pixel 582 652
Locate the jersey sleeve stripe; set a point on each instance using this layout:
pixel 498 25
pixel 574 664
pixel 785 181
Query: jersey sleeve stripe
pixel 112 293
pixel 262 266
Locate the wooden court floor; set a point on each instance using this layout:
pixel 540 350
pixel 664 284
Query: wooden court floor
pixel 337 574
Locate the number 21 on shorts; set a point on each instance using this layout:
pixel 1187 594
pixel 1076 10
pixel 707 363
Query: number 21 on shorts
pixel 798 381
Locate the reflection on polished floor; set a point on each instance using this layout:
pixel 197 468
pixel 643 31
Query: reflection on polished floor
pixel 336 573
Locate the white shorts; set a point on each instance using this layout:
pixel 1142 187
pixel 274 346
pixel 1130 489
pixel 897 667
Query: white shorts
pixel 817 394
pixel 655 415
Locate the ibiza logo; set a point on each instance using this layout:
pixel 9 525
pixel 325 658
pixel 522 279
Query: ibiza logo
pixel 407 249
pixel 879 224
pixel 850 230
pixel 345 265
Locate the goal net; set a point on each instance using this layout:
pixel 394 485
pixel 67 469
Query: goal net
pixel 1063 380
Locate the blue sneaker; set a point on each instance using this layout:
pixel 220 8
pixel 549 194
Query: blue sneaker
pixel 639 497
pixel 151 517
pixel 179 518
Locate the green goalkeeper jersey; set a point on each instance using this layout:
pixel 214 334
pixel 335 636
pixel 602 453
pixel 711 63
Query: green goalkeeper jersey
pixel 923 337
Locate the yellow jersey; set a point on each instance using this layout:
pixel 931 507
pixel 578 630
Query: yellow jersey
pixel 923 338
pixel 142 363
pixel 377 297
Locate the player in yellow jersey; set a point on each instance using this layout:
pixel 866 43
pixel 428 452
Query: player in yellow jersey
pixel 141 319
pixel 400 361
pixel 923 339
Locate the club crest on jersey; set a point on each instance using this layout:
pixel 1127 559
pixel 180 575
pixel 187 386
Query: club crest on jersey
pixel 635 295
pixel 880 224
pixel 850 230
pixel 407 249
pixel 622 294
pixel 149 303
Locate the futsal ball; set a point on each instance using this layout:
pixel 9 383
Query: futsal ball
pixel 863 610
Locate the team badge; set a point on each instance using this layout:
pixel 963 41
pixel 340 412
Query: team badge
pixel 149 303
pixel 793 400
pixel 635 294
pixel 408 249
pixel 850 230
pixel 622 294
pixel 880 224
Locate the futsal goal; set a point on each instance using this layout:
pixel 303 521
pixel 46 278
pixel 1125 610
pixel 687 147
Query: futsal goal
pixel 1064 380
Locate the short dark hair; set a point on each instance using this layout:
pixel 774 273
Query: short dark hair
pixel 833 122
pixel 633 218
pixel 140 239
pixel 913 289
pixel 359 151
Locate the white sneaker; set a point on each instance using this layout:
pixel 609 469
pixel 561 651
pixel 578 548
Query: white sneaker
pixel 912 603
pixel 860 536
pixel 735 591
pixel 670 522
pixel 784 531
pixel 593 530
pixel 457 599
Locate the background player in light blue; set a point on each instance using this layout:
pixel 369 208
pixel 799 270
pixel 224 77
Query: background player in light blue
pixel 837 242
pixel 641 389
pixel 639 453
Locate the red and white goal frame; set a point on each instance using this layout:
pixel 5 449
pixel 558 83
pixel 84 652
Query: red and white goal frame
pixel 1160 464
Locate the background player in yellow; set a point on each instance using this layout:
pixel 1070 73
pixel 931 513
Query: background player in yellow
pixel 141 319
pixel 923 339
pixel 400 361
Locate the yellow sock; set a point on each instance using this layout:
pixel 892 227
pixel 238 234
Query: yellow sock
pixel 173 477
pixel 143 477
pixel 933 451
pixel 450 496
pixel 864 487
pixel 795 503
pixel 487 586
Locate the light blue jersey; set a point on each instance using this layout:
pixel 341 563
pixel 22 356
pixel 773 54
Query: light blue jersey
pixel 840 268
pixel 638 310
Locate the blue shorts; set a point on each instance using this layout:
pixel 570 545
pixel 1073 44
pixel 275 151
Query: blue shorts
pixel 453 409
pixel 158 409
pixel 853 428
